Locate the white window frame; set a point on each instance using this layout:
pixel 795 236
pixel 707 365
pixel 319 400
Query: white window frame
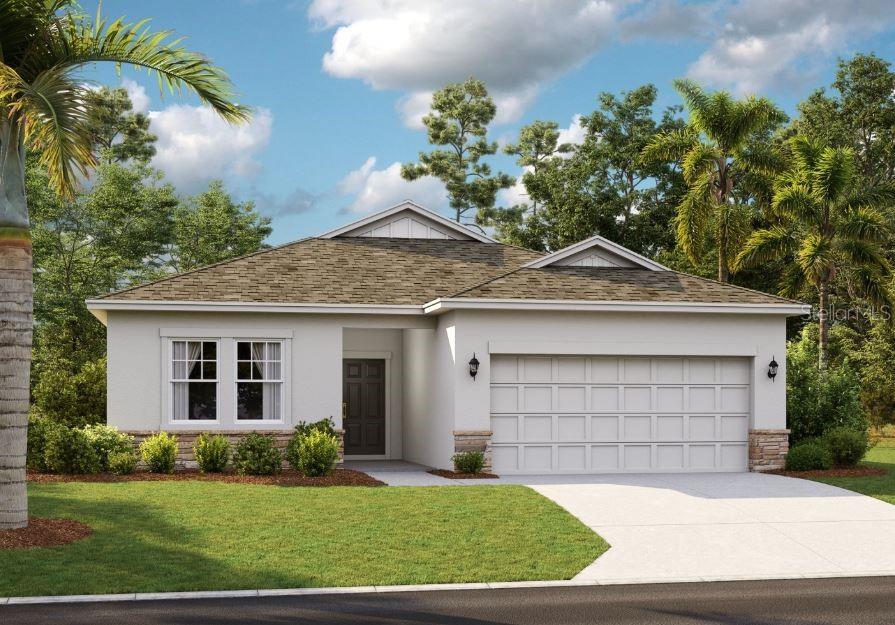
pixel 281 381
pixel 170 381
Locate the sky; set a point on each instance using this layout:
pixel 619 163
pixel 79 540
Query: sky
pixel 339 87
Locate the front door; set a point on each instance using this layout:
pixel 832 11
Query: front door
pixel 363 391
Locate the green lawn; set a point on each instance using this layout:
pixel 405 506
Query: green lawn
pixel 883 487
pixel 165 536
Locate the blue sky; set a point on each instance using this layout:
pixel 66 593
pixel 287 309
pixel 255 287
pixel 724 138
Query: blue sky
pixel 339 85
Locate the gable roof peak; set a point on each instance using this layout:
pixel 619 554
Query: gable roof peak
pixel 596 251
pixel 407 220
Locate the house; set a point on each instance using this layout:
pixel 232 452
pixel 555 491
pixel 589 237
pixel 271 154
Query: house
pixel 590 359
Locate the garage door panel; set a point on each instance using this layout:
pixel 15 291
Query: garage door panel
pixel 605 413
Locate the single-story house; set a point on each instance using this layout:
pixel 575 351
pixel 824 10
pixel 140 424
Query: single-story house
pixel 421 337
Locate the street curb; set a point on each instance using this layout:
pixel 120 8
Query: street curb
pixel 357 590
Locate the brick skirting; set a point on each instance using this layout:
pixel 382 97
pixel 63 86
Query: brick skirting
pixel 187 438
pixel 767 449
pixel 474 440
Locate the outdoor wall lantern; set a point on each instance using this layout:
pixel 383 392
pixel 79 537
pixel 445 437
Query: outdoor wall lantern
pixel 772 369
pixel 473 366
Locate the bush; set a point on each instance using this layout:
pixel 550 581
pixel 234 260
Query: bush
pixel 212 452
pixel 817 401
pixel 39 430
pixel 159 452
pixel 324 425
pixel 107 440
pixel 70 450
pixel 846 446
pixel 809 456
pixel 70 394
pixel 257 454
pixel 122 462
pixel 314 453
pixel 469 462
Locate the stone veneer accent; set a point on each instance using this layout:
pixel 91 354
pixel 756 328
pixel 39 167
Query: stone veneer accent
pixel 767 449
pixel 187 438
pixel 474 440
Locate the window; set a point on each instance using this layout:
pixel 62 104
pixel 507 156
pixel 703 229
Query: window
pixel 259 382
pixel 194 378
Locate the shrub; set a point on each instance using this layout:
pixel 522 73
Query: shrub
pixel 122 462
pixel 257 454
pixel 212 452
pixel 159 452
pixel 70 450
pixel 39 430
pixel 324 425
pixel 817 401
pixel 71 394
pixel 810 455
pixel 314 453
pixel 469 462
pixel 846 446
pixel 107 440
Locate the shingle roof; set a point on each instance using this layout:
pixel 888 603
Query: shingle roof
pixel 608 284
pixel 351 270
pixel 357 270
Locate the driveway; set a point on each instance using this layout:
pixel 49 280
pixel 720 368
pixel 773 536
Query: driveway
pixel 724 526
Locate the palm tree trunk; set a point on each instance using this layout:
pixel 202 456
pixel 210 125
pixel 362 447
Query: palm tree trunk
pixel 824 322
pixel 15 325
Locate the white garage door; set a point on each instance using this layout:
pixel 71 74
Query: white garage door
pixel 608 414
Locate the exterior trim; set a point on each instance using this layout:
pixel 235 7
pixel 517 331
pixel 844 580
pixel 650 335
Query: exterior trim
pixel 414 207
pixel 445 304
pixel 596 241
pixel 584 348
pixel 98 307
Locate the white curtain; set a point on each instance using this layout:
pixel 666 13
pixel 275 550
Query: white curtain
pixel 267 365
pixel 186 359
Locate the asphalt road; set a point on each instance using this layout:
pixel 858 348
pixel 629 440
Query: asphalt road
pixel 859 601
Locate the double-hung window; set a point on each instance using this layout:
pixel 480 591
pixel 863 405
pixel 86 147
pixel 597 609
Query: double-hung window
pixel 259 380
pixel 194 380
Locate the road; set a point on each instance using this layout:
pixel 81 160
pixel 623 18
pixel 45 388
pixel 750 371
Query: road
pixel 857 601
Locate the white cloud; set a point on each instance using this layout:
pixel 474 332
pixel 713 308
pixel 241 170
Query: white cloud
pixel 668 20
pixel 137 94
pixel 574 134
pixel 195 145
pixel 416 47
pixel 376 189
pixel 778 42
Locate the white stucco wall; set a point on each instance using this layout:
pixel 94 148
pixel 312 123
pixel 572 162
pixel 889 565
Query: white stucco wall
pixel 481 332
pixel 137 378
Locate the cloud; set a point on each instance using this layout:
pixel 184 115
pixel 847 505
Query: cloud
pixel 296 202
pixel 137 94
pixel 668 20
pixel 515 46
pixel 574 133
pixel 766 43
pixel 376 189
pixel 195 145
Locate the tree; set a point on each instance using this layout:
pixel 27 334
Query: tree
pixel 600 186
pixel 459 122
pixel 716 153
pixel 43 44
pixel 829 226
pixel 211 227
pixel 116 132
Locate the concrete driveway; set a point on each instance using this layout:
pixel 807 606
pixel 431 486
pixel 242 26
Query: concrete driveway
pixel 724 526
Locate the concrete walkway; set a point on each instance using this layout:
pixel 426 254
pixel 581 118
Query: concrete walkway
pixel 724 526
pixel 689 527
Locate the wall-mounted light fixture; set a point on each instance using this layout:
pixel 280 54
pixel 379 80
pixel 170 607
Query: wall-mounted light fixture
pixel 473 366
pixel 772 369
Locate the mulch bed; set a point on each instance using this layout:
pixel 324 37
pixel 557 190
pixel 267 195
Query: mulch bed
pixel 339 477
pixel 454 475
pixel 44 533
pixel 852 472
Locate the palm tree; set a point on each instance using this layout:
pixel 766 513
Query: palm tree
pixel 828 226
pixel 715 153
pixel 43 44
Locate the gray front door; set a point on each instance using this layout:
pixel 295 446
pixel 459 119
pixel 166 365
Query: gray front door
pixel 363 391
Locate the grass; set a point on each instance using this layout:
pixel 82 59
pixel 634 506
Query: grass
pixel 883 487
pixel 169 536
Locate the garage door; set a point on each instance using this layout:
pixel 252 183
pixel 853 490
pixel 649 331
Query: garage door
pixel 609 414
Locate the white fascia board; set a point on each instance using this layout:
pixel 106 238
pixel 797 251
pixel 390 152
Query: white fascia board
pixel 102 305
pixel 413 207
pixel 600 242
pixel 442 305
pixel 595 348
